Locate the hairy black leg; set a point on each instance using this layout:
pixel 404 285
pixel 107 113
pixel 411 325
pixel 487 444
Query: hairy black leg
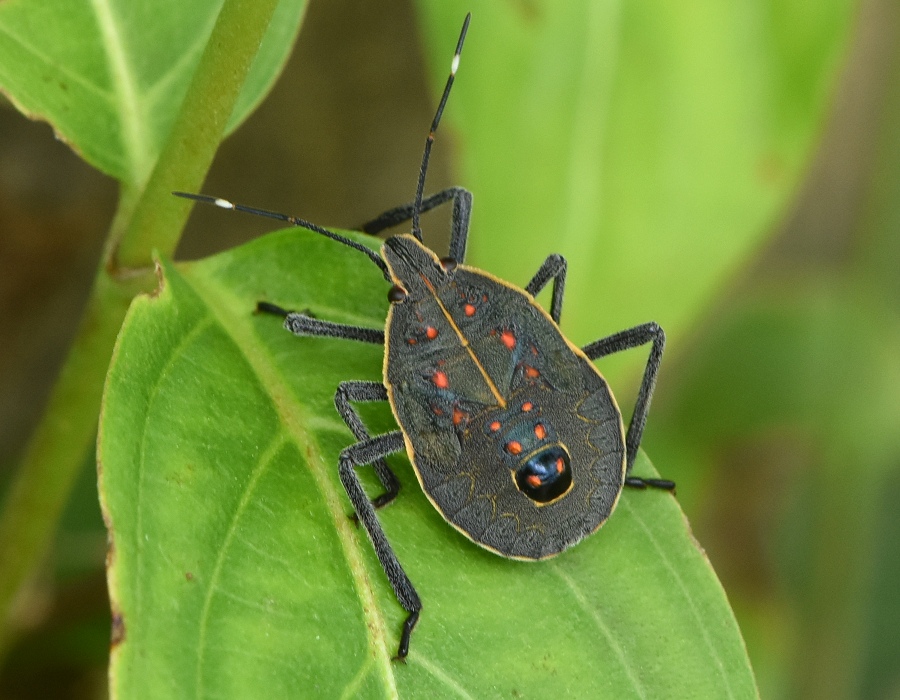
pixel 367 392
pixel 360 454
pixel 305 325
pixel 264 307
pixel 459 232
pixel 301 324
pixel 637 482
pixel 624 340
pixel 554 268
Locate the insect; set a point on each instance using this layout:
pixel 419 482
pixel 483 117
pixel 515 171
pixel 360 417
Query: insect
pixel 514 435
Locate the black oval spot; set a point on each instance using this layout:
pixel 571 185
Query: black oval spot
pixel 546 475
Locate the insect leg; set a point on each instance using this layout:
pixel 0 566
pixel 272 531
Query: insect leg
pixel 638 482
pixel 554 268
pixel 366 391
pixel 462 211
pixel 360 454
pixel 302 324
pixel 624 340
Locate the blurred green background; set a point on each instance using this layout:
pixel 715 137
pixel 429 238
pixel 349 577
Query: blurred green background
pixel 778 408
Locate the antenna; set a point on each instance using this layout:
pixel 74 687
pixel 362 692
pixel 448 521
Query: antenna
pixel 420 186
pixel 294 221
pixel 417 205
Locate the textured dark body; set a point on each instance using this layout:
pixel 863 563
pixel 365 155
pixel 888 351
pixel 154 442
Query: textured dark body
pixel 497 352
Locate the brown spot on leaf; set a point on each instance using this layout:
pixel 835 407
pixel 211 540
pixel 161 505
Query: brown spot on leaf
pixel 117 635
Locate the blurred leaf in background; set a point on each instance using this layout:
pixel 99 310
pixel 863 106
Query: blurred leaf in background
pixel 652 144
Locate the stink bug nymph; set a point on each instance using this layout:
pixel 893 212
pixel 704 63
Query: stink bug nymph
pixel 512 432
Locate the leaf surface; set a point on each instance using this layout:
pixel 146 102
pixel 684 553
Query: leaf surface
pixel 110 75
pixel 234 565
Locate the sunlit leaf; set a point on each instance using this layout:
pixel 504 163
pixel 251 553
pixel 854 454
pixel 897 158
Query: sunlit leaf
pixel 234 566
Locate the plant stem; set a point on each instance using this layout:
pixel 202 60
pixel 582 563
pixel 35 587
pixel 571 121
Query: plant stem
pixel 148 219
pixel 159 218
pixel 58 447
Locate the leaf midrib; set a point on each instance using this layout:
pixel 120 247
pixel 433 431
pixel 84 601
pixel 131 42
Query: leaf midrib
pixel 126 98
pixel 46 60
pixel 294 418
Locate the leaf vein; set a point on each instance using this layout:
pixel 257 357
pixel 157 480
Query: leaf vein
pixel 443 676
pixel 298 424
pixel 594 614
pixel 267 610
pixel 259 469
pixel 352 688
pixel 62 69
pixel 142 476
pixel 126 99
pixel 673 571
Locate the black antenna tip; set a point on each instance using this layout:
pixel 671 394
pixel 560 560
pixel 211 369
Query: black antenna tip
pixel 462 34
pixel 460 42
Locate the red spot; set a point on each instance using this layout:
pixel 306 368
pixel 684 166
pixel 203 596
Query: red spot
pixel 484 297
pixel 440 380
pixel 514 447
pixel 527 406
pixel 469 310
pixel 431 333
pixel 534 480
pixel 411 341
pixel 459 416
pixel 540 432
pixel 534 350
pixel 495 426
pixel 509 340
pixel 437 411
pixel 531 372
pixel 560 466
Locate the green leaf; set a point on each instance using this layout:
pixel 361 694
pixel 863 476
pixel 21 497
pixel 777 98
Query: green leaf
pixel 653 144
pixel 110 75
pixel 148 218
pixel 234 566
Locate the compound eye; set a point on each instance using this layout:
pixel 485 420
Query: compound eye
pixel 396 294
pixel 546 476
pixel 449 264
